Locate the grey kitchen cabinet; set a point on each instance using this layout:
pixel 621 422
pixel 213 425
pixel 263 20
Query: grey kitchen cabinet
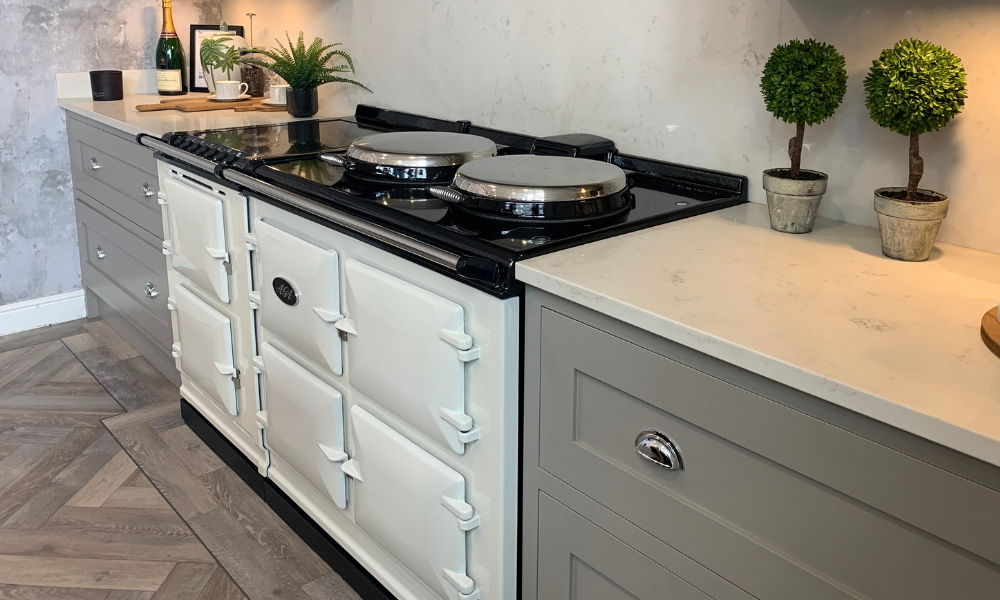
pixel 120 236
pixel 778 494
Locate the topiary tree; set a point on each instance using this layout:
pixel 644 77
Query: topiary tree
pixel 915 87
pixel 803 83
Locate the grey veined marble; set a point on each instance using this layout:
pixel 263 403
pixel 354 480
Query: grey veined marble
pixel 39 38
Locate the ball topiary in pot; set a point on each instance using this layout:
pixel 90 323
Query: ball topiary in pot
pixel 803 83
pixel 304 69
pixel 913 88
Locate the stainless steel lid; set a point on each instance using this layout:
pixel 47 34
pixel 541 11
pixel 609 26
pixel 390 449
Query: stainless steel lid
pixel 535 179
pixel 420 149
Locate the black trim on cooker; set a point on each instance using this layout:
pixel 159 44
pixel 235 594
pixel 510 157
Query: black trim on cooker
pixel 345 565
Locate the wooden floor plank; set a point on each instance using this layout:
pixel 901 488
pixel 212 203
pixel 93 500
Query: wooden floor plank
pixel 44 470
pixel 166 470
pixel 185 582
pixel 24 361
pixel 84 573
pixel 70 372
pixel 192 450
pixel 330 587
pixel 42 335
pixel 90 389
pixel 145 415
pixel 221 587
pixel 164 523
pixel 277 539
pixel 121 349
pixel 102 404
pixel 35 435
pixel 81 342
pixel 111 545
pixel 116 378
pixel 138 479
pixel 19 461
pixel 150 378
pixel 104 483
pixel 136 497
pixel 6 449
pixel 51 497
pixel 51 418
pixel 129 595
pixel 246 561
pixel 33 592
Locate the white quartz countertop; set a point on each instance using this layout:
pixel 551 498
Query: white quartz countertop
pixel 122 115
pixel 824 313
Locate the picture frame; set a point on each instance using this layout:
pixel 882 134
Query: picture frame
pixel 199 33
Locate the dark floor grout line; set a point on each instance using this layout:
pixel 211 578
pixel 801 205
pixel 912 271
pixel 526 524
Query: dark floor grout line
pixel 173 508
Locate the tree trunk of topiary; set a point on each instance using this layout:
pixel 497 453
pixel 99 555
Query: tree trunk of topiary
pixel 795 148
pixel 916 167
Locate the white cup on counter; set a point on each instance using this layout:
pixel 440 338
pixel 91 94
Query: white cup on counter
pixel 278 93
pixel 230 90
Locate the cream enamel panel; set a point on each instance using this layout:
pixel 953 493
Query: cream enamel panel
pixel 401 499
pixel 402 330
pixel 197 236
pixel 313 272
pixel 305 424
pixel 205 337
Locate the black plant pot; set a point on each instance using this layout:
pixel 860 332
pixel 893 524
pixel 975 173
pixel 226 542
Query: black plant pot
pixel 303 103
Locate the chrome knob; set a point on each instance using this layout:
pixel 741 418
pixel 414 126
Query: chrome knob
pixel 658 449
pixel 99 253
pixel 150 291
pixel 145 190
pixel 93 163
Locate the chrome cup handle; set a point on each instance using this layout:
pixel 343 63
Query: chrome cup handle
pixel 447 194
pixel 658 449
pixel 338 160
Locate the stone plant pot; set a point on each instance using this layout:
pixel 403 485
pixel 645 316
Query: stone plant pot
pixel 909 228
pixel 302 103
pixel 793 203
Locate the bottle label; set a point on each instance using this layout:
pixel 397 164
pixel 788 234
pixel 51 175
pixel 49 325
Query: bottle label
pixel 168 80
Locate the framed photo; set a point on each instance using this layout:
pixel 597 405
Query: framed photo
pixel 199 33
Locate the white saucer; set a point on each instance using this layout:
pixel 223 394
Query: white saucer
pixel 267 102
pixel 213 98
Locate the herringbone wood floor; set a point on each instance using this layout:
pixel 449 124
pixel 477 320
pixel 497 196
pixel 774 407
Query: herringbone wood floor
pixel 106 494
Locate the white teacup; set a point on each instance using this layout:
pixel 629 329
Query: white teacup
pixel 230 90
pixel 278 93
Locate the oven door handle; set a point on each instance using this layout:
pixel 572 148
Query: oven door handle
pixel 471 267
pixel 144 139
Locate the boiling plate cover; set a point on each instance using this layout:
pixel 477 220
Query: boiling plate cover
pixel 530 178
pixel 421 149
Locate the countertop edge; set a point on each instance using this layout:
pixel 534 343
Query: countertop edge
pixel 65 104
pixel 881 409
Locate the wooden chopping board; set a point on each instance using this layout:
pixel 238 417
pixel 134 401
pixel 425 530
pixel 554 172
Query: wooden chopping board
pixel 204 104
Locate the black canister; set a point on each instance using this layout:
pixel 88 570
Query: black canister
pixel 106 85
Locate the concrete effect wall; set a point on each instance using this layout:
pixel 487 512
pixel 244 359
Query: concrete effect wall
pixel 39 38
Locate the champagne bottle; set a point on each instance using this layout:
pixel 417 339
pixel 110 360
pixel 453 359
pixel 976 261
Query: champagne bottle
pixel 171 75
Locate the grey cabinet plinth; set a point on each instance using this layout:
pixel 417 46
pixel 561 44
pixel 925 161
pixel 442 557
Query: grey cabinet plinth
pixel 761 492
pixel 120 236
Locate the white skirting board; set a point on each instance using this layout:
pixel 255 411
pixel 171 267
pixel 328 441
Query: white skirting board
pixel 22 316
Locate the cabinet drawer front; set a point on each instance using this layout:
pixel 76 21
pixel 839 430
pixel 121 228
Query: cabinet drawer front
pixel 578 560
pixel 137 268
pixel 763 526
pixel 118 173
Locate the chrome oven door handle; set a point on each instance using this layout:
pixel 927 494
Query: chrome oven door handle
pixel 658 449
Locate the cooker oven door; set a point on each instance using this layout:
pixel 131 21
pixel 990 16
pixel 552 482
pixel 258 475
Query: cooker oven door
pixel 408 351
pixel 305 424
pixel 300 294
pixel 205 349
pixel 197 237
pixel 412 504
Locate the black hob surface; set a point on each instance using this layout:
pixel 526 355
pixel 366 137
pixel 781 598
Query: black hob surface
pixel 656 200
pixel 285 155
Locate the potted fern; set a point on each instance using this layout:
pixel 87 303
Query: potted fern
pixel 913 88
pixel 803 83
pixel 304 70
